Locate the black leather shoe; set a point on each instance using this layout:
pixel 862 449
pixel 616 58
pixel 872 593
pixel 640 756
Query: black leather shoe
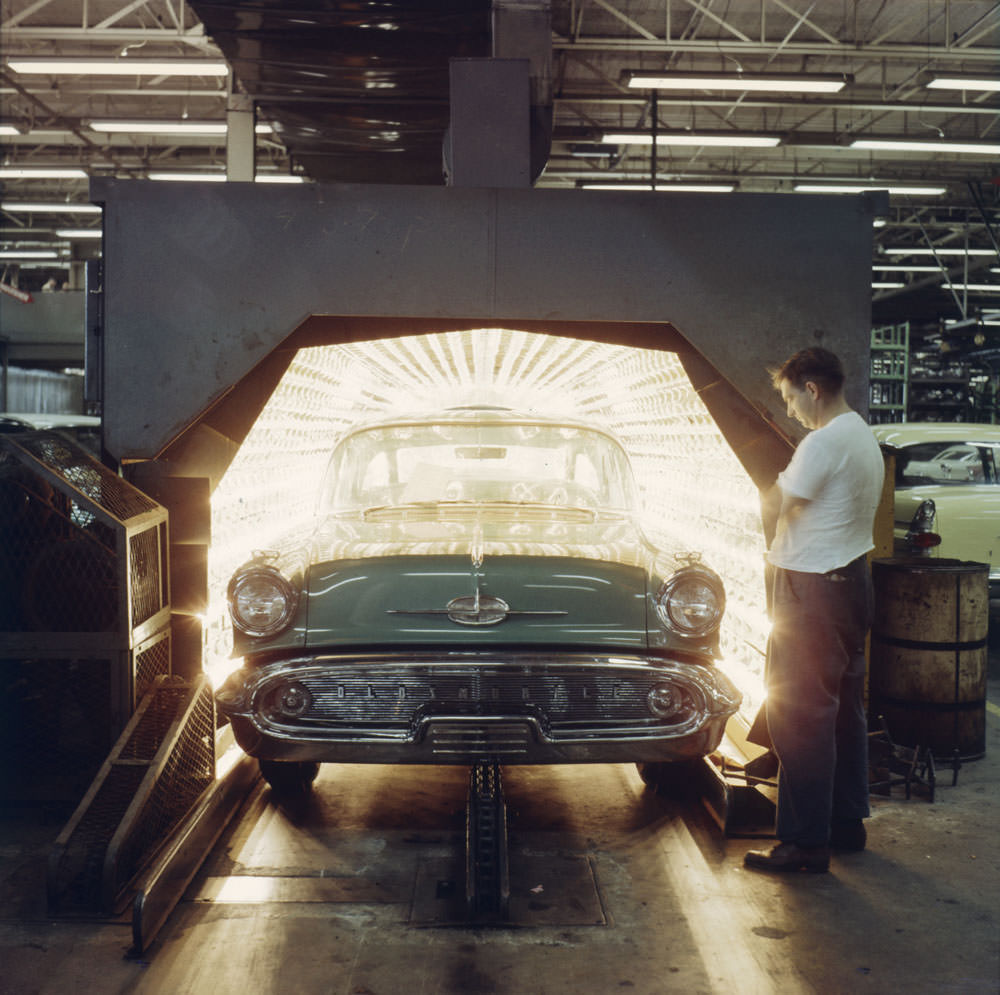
pixel 789 857
pixel 849 834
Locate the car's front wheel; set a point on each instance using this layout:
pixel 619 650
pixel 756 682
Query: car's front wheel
pixel 289 779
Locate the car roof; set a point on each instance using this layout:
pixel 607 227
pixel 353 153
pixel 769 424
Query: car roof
pixel 911 433
pixel 473 414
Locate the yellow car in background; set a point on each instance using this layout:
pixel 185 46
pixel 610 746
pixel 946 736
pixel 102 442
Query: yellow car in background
pixel 956 466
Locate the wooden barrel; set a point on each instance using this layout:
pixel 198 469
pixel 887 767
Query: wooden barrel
pixel 928 654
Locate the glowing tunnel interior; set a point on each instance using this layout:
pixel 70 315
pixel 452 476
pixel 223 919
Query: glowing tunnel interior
pixel 692 485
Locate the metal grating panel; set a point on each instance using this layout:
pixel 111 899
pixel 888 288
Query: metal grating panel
pixel 188 771
pixel 56 559
pixel 154 774
pixel 75 880
pixel 151 660
pixel 96 481
pixel 145 570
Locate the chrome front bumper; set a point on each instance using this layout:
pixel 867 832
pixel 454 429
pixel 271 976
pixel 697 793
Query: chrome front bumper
pixel 458 708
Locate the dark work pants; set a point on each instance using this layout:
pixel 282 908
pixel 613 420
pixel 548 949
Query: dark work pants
pixel 815 698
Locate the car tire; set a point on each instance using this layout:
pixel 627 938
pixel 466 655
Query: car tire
pixel 289 779
pixel 680 778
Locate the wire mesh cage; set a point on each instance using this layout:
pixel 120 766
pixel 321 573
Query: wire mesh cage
pixel 161 764
pixel 84 615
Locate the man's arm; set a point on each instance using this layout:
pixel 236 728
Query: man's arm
pixel 777 509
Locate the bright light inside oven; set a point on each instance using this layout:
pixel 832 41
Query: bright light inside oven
pixel 693 487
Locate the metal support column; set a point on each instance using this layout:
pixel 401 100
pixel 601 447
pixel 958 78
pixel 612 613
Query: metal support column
pixel 240 138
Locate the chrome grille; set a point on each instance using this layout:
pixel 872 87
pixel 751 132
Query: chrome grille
pixel 494 739
pixel 401 696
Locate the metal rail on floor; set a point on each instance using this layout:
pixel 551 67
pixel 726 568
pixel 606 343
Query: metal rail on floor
pixel 487 874
pixel 165 881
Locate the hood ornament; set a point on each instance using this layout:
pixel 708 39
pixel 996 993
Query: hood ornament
pixel 477 610
pixel 478 547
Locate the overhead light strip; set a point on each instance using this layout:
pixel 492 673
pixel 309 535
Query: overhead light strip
pixel 54 207
pixel 178 176
pixel 41 173
pixel 925 145
pixel 735 139
pixel 169 127
pixel 745 83
pixel 892 188
pixel 987 84
pixel 943 250
pixel 117 67
pixel 902 268
pixel 660 187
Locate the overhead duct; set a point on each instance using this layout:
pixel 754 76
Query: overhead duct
pixel 361 93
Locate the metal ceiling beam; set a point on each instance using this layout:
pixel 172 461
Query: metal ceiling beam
pixel 926 54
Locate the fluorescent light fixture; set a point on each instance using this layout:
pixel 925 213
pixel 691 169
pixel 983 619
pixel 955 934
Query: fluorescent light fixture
pixel 592 150
pixel 887 285
pixel 745 83
pixel 879 223
pixel 185 177
pixel 278 178
pixel 40 173
pixel 169 127
pixel 901 268
pixel 31 207
pixel 892 188
pixel 8 130
pixel 79 233
pixel 178 176
pixel 661 187
pixel 926 145
pixel 975 288
pixel 118 67
pixel 28 254
pixel 950 82
pixel 160 127
pixel 902 250
pixel 723 139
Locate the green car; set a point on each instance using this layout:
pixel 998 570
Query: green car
pixel 475 585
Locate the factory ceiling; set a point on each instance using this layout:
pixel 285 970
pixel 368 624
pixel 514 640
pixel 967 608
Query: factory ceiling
pixel 798 94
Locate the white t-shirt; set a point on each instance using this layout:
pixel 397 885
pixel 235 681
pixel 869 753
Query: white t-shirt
pixel 838 469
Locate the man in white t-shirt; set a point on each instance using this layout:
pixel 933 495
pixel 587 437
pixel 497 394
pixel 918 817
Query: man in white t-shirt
pixel 821 606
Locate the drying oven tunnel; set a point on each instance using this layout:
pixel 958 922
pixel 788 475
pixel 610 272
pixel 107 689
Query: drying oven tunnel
pixel 207 295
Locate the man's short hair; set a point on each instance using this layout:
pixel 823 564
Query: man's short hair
pixel 819 365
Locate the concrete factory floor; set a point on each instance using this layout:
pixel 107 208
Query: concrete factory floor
pixel 615 889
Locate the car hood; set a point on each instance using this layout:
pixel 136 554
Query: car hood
pixel 455 579
pixel 508 532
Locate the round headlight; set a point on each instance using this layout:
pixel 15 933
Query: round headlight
pixel 692 601
pixel 261 601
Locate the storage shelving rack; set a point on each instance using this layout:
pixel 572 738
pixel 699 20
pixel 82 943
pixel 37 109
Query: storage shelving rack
pixel 888 380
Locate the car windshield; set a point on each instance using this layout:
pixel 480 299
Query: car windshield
pixel 947 463
pixel 474 463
